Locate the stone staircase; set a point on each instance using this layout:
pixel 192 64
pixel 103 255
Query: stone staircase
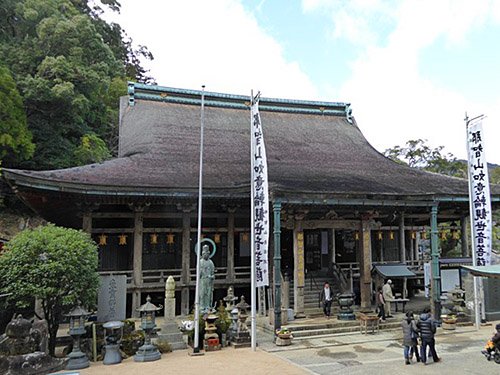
pixel 333 327
pixel 312 290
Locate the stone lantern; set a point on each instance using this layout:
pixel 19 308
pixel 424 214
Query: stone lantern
pixel 148 352
pixel 242 338
pixel 114 334
pixel 77 318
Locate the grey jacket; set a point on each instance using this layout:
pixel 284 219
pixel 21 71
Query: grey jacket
pixel 407 340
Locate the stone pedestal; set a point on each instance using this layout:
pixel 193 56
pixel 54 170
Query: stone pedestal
pixel 147 353
pixel 77 360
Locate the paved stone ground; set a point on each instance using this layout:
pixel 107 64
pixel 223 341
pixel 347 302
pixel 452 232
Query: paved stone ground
pixel 352 353
pixel 382 353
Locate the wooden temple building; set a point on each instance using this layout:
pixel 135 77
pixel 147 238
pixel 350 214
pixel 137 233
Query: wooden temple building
pixel 337 203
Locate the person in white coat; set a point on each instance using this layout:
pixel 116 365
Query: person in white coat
pixel 388 297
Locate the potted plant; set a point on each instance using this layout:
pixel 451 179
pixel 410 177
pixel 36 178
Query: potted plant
pixel 284 337
pixel 449 321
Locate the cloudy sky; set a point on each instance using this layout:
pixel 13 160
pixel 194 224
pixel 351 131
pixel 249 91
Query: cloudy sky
pixel 410 69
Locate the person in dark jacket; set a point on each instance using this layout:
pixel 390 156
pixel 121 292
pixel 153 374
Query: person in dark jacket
pixel 326 299
pixel 410 334
pixel 381 304
pixel 427 328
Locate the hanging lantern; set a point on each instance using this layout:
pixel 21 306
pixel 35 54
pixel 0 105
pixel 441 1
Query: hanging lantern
pixel 413 235
pixel 423 235
pixel 379 235
pixel 442 235
pixel 356 236
pixel 217 238
pixel 122 239
pixel 170 238
pixel 454 231
pixel 244 237
pixel 103 239
pixel 391 235
pixel 154 239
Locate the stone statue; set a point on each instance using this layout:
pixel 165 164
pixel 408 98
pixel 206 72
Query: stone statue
pixel 207 276
pixel 23 349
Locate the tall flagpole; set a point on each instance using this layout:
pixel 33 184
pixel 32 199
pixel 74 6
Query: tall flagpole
pixel 196 349
pixel 253 301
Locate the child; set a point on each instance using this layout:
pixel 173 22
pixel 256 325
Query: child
pixel 494 342
pixel 381 304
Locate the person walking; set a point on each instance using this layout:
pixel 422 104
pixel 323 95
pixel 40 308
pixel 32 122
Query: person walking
pixel 410 334
pixel 381 304
pixel 326 299
pixel 427 328
pixel 388 297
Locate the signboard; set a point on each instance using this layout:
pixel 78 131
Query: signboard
pixel 479 195
pixel 111 300
pixel 260 198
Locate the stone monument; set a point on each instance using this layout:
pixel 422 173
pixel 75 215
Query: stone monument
pixel 111 298
pixel 207 277
pixel 170 331
pixel 242 338
pixel 23 349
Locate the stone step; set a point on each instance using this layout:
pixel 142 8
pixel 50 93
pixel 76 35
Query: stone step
pixel 317 333
pixel 334 323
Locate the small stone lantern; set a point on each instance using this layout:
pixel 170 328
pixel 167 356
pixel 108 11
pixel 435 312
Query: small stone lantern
pixel 114 334
pixel 77 318
pixel 148 352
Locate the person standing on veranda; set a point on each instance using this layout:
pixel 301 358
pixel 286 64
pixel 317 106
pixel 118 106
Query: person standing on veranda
pixel 388 297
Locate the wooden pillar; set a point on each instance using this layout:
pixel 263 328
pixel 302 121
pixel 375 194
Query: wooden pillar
pixel 137 261
pixel 436 278
pixel 332 246
pixel 365 266
pixel 402 248
pixel 299 268
pixel 277 265
pixel 412 249
pixel 416 240
pixel 464 223
pixel 87 221
pixel 230 245
pixel 186 260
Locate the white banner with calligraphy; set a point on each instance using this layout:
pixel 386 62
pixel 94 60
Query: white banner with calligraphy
pixel 479 195
pixel 260 199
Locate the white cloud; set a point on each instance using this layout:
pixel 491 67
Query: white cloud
pixel 216 43
pixel 391 100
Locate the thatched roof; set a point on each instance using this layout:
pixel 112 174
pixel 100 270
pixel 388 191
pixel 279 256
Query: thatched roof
pixel 310 150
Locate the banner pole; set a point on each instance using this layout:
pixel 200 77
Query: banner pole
pixel 196 349
pixel 252 234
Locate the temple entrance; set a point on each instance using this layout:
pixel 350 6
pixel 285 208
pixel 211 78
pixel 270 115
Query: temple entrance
pixel 316 249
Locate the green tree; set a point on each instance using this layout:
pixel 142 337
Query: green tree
pixel 92 149
pixel 417 154
pixel 55 265
pixel 15 138
pixel 67 63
